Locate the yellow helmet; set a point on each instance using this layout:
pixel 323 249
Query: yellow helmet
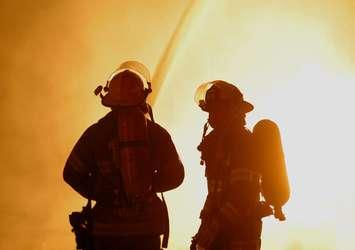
pixel 219 93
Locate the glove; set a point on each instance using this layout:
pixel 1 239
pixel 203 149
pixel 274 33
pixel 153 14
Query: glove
pixel 193 243
pixel 264 210
pixel 207 234
pixel 279 214
pixel 198 247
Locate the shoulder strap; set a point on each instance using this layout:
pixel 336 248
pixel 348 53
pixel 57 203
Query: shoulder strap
pixel 87 210
pixel 165 207
pixel 166 220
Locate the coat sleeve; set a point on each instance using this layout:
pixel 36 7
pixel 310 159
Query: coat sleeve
pixel 80 164
pixel 168 169
pixel 236 203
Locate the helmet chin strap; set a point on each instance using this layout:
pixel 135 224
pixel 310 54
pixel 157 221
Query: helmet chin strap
pixel 205 128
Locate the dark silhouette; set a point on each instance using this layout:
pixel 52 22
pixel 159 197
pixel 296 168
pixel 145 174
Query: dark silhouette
pixel 121 162
pixel 240 166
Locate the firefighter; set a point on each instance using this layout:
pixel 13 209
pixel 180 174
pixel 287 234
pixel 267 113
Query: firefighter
pixel 232 213
pixel 122 162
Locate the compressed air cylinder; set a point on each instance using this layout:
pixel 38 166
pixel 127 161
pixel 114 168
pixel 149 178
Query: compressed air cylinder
pixel 271 162
pixel 132 153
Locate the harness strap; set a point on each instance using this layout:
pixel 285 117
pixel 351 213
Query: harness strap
pixel 167 226
pixel 165 207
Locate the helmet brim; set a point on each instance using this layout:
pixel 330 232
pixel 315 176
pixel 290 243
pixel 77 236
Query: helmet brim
pixel 231 96
pixel 247 106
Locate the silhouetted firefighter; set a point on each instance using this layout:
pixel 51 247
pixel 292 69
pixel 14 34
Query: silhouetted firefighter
pixel 121 162
pixel 240 165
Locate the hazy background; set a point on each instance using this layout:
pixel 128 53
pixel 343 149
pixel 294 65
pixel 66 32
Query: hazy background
pixel 295 60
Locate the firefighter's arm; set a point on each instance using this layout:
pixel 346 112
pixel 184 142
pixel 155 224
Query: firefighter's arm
pixel 79 165
pixel 169 172
pixel 208 232
pixel 210 224
pixel 214 221
pixel 241 200
pixel 226 213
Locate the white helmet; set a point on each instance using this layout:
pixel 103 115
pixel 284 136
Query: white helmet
pixel 129 85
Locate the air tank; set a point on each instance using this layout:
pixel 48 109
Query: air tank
pixel 271 163
pixel 132 154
